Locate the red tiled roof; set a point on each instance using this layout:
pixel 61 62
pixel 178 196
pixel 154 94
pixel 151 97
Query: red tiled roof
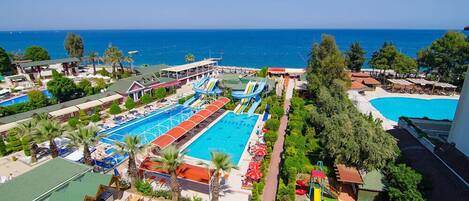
pixel 273 70
pixel 356 85
pixel 348 174
pixel 371 81
pixel 361 74
pixel 181 129
pixel 185 171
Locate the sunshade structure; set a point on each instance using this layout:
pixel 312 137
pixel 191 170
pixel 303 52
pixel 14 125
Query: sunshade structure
pixel 347 174
pixel 180 130
pixel 185 171
pixel 400 82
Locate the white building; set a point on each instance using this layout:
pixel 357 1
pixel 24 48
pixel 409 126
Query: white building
pixel 459 134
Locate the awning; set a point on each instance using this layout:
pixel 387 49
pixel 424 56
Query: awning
pixel 64 111
pixel 180 130
pixel 185 171
pixel 111 98
pixel 89 105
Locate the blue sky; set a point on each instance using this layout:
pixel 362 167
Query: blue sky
pixel 206 14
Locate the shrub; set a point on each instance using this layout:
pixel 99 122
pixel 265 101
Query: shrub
pixel 143 187
pixel 146 98
pixel 84 118
pixel 272 124
pixel 37 99
pixel 3 148
pixel 115 109
pixel 73 122
pixel 129 103
pixel 25 144
pixel 164 194
pixel 160 93
pixel 14 144
pixel 95 117
pixel 271 137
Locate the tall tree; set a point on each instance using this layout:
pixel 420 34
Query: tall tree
pixel 61 87
pixel 448 56
pixel 93 57
pixel 131 146
pixel 129 59
pixel 355 57
pixel 36 53
pixel 389 58
pixel 113 56
pixel 86 137
pixel 49 130
pixel 221 163
pixel 403 183
pixel 326 62
pixel 171 159
pixel 37 99
pixel 5 63
pixel 189 58
pixel 27 131
pixel 73 44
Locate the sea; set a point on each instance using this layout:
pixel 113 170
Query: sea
pixel 247 48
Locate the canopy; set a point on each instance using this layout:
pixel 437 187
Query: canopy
pixel 64 111
pixel 185 171
pixel 180 130
pixel 400 82
pixel 90 104
pixel 111 98
pixel 348 174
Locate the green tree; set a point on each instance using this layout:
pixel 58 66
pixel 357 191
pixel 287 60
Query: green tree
pixel 3 147
pixel 129 59
pixel 129 103
pixel 113 56
pixel 36 53
pixel 448 56
pixel 27 132
pixel 326 63
pixel 85 137
pixel 93 57
pixel 355 57
pixel 61 87
pixel 37 99
pixel 49 130
pixel 73 44
pixel 389 58
pixel 86 87
pixel 14 143
pixel 403 183
pixel 146 99
pixel 221 163
pixel 84 118
pixel 115 109
pixel 262 72
pixel 95 117
pixel 171 159
pixel 189 58
pixel 160 93
pixel 5 63
pixel 131 146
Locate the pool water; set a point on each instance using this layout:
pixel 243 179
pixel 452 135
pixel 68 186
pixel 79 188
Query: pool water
pixel 394 107
pixel 22 99
pixel 149 127
pixel 229 135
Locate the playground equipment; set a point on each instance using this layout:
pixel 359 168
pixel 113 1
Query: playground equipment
pixel 316 183
pixel 252 91
pixel 205 86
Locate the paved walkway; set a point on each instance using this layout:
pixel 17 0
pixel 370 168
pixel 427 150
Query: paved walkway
pixel 271 182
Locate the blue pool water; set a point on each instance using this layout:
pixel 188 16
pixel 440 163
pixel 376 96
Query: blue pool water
pixel 394 107
pixel 21 99
pixel 151 126
pixel 229 135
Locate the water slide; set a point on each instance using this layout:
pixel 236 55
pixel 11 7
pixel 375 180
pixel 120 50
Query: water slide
pixel 248 96
pixel 257 98
pixel 205 86
pixel 198 84
pixel 245 101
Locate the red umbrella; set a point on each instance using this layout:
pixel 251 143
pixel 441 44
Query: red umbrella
pixel 254 174
pixel 262 146
pixel 261 152
pixel 254 165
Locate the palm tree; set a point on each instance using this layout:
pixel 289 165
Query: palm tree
pixel 221 163
pixel 113 56
pixel 131 146
pixel 93 57
pixel 189 58
pixel 26 131
pixel 129 60
pixel 49 130
pixel 171 159
pixel 86 137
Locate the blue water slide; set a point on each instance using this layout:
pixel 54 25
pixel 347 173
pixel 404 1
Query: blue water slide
pixel 241 94
pixel 191 100
pixel 196 85
pixel 210 88
pixel 256 104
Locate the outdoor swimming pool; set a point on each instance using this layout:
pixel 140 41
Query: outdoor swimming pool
pixel 229 135
pixel 394 107
pixel 22 99
pixel 151 126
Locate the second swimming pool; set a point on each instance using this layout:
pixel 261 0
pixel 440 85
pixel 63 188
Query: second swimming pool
pixel 394 107
pixel 229 135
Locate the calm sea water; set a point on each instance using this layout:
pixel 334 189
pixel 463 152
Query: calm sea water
pixel 253 48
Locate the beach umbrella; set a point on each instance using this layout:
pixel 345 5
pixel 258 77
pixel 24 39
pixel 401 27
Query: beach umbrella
pixel 262 146
pixel 261 152
pixel 254 165
pixel 254 174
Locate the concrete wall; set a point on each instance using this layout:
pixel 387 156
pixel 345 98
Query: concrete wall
pixel 459 133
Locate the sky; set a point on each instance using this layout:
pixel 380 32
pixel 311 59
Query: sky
pixel 232 14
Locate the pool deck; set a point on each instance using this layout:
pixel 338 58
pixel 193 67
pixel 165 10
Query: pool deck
pixel 362 102
pixel 232 189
